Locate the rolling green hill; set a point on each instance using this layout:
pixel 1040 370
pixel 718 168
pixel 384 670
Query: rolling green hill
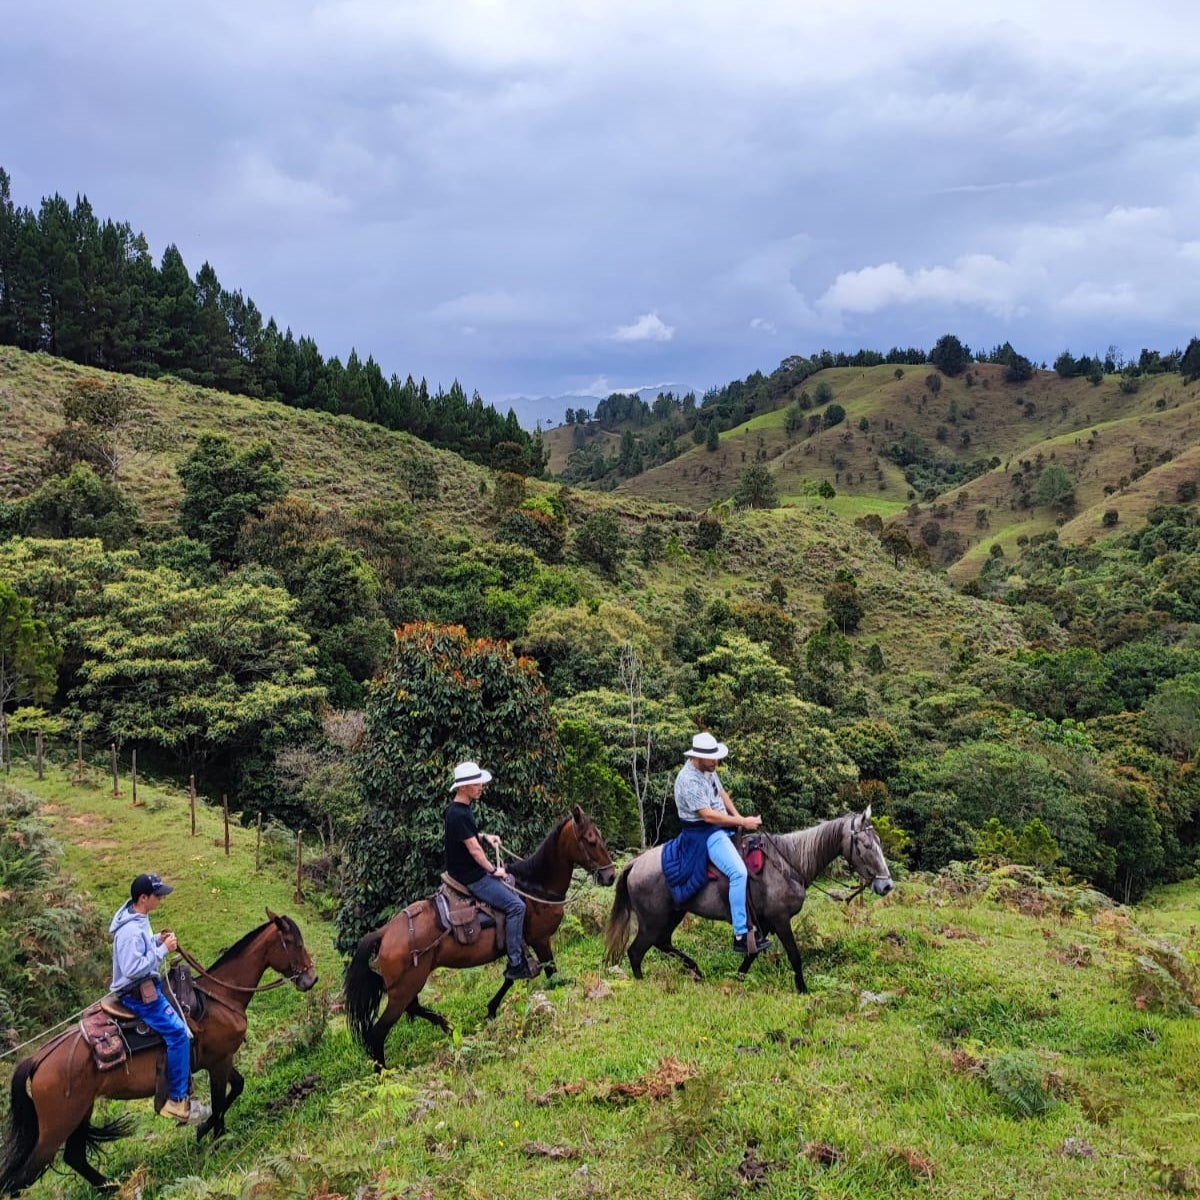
pixel 339 462
pixel 1124 451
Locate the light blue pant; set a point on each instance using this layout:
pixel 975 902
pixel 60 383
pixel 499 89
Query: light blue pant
pixel 728 861
pixel 162 1018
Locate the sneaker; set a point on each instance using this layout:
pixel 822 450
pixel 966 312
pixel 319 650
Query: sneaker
pixel 741 943
pixel 762 942
pixel 177 1110
pixel 523 969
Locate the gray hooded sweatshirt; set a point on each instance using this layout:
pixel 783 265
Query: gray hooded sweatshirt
pixel 137 952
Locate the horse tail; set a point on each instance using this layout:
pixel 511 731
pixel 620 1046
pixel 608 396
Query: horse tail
pixel 21 1137
pixel 363 987
pixel 110 1131
pixel 616 933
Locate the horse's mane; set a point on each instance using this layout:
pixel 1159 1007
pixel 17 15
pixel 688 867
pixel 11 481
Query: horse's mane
pixel 810 851
pixel 533 870
pixel 236 949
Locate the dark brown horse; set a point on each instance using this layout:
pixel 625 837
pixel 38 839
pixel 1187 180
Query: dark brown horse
pixel 55 1090
pixel 791 861
pixel 408 948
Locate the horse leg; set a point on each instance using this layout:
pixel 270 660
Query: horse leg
pixel 402 999
pixel 225 1086
pixel 75 1156
pixel 42 1119
pixel 237 1083
pixel 416 1009
pixel 660 938
pixel 787 940
pixel 494 1004
pixel 545 955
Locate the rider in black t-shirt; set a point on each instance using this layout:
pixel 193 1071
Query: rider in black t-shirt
pixel 467 862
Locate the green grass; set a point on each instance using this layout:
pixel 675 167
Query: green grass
pixel 958 1041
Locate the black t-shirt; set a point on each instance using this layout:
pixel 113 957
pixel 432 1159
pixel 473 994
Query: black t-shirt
pixel 460 825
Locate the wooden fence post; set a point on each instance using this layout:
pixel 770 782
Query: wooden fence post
pixel 258 844
pixel 225 809
pixel 116 780
pixel 5 757
pixel 79 757
pixel 192 797
pixel 133 776
pixel 41 753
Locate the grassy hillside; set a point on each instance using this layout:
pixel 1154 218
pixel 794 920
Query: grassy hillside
pixel 969 1028
pixel 330 460
pixel 1102 435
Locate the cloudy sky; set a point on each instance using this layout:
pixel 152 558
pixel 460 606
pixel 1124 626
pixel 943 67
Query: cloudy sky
pixel 540 197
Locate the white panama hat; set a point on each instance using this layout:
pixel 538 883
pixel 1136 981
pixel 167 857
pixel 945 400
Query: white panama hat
pixel 704 745
pixel 467 773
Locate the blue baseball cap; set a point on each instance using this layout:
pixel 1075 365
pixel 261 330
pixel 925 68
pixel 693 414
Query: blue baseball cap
pixel 149 885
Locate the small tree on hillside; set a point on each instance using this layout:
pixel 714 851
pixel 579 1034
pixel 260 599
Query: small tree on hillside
pixel 950 356
pixel 1055 488
pixel 895 540
pixel 843 603
pixel 108 425
pixel 601 541
pixel 443 698
pixel 756 488
pixel 222 486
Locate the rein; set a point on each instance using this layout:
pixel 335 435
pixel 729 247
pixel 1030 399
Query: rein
pixel 233 987
pixel 567 898
pixel 785 863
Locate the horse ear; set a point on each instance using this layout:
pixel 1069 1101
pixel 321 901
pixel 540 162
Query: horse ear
pixel 867 814
pixel 578 816
pixel 273 916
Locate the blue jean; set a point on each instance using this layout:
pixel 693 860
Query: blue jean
pixel 162 1018
pixel 491 891
pixel 728 861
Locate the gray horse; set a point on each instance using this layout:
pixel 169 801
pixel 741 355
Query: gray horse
pixel 791 861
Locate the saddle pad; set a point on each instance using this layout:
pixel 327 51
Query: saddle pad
pixel 103 1036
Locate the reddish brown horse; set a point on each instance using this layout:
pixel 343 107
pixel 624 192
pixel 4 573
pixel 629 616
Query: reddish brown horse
pixel 55 1090
pixel 408 948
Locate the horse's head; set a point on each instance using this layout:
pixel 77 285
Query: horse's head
pixel 288 955
pixel 592 853
pixel 864 853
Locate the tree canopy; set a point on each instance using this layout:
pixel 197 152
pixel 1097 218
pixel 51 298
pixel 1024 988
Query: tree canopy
pixel 443 698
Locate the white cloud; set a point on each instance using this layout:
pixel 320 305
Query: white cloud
pixel 1120 264
pixel 762 324
pixel 649 327
pixel 979 280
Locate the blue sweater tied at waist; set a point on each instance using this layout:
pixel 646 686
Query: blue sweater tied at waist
pixel 685 860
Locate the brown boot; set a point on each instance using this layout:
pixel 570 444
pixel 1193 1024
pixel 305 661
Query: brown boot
pixel 177 1110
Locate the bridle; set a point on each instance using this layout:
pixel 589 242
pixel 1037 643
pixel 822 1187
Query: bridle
pixel 856 832
pixel 566 898
pixel 233 987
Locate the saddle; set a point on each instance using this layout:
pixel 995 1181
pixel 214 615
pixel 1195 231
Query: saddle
pixel 750 847
pixel 462 915
pixel 113 1032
